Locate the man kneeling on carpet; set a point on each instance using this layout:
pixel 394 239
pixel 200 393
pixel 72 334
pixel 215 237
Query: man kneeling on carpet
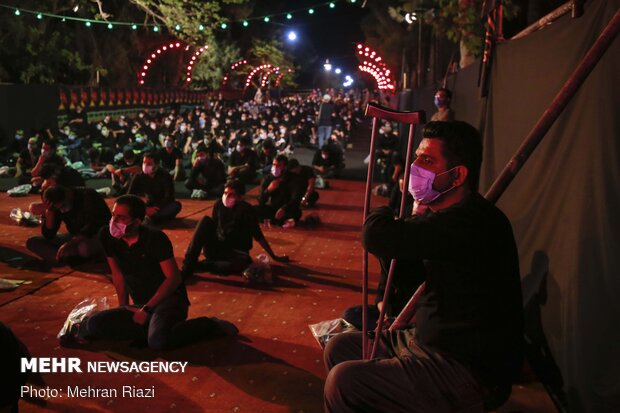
pixel 143 268
pixel 83 211
pixel 226 237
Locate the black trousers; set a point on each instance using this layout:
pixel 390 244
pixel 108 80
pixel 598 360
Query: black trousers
pixel 400 379
pixel 166 329
pixel 221 258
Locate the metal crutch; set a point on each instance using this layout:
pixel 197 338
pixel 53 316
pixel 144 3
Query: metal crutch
pixel 411 118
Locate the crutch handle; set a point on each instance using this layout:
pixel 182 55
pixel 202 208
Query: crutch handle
pixel 381 112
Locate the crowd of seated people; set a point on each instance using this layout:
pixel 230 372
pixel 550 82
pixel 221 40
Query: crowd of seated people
pixel 222 148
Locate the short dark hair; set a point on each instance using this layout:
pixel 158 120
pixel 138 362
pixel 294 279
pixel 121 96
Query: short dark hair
pixel 282 159
pixel 151 155
pixel 55 194
pixel 236 185
pixel 462 145
pixel 292 164
pixel 448 92
pixel 129 154
pixel 49 170
pixel 135 204
pixel 49 142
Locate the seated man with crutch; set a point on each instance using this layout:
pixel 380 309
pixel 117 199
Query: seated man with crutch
pixel 465 348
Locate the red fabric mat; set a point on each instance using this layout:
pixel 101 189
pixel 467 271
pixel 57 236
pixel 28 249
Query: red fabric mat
pixel 275 365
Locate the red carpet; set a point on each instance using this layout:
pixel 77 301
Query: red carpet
pixel 275 365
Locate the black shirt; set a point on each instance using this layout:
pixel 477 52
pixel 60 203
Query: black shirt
pixel 169 159
pixel 241 158
pixel 298 182
pixel 88 213
pixel 237 226
pixel 140 262
pixel 159 189
pixel 471 308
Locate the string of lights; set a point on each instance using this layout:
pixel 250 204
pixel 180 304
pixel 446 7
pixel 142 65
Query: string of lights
pixel 111 24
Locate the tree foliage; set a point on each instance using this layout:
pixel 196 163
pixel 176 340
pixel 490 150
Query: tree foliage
pixel 460 21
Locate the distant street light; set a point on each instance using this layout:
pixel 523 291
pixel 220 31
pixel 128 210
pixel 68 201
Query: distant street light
pixel 327 66
pixel 338 71
pixel 292 36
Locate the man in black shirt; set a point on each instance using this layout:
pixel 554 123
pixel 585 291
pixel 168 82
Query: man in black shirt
pixel 123 172
pixel 226 237
pixel 157 186
pixel 83 211
pixel 143 268
pixel 208 172
pixel 465 349
pixel 276 201
pixel 328 161
pixel 171 159
pixel 301 179
pixel 243 162
pixel 48 157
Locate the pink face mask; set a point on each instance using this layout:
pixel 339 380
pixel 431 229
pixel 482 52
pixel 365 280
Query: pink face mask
pixel 117 229
pixel 228 201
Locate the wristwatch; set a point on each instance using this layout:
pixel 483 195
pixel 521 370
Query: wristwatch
pixel 147 309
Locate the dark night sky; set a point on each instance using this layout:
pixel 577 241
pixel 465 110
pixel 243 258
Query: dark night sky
pixel 327 34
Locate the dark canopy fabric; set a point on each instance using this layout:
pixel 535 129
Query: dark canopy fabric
pixel 565 203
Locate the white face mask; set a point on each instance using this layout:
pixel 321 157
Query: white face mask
pixel 228 201
pixel 148 169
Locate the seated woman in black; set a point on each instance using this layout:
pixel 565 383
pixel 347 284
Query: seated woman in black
pixel 226 237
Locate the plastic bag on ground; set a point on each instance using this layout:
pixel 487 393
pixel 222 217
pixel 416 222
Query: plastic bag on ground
pixel 85 308
pixel 24 218
pixel 325 330
pixel 259 272
pixel 20 190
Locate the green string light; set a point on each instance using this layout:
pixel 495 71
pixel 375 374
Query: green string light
pixel 134 26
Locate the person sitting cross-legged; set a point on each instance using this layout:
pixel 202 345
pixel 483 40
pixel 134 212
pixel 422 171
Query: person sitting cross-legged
pixel 157 186
pixel 226 237
pixel 144 269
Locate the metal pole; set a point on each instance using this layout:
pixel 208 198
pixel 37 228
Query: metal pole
pixel 401 214
pixel 371 167
pixel 378 112
pixel 548 19
pixel 564 96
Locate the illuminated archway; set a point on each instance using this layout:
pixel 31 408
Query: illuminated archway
pixel 248 80
pixel 372 64
pixel 190 65
pixel 280 76
pixel 149 61
pixel 233 67
pixel 271 71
